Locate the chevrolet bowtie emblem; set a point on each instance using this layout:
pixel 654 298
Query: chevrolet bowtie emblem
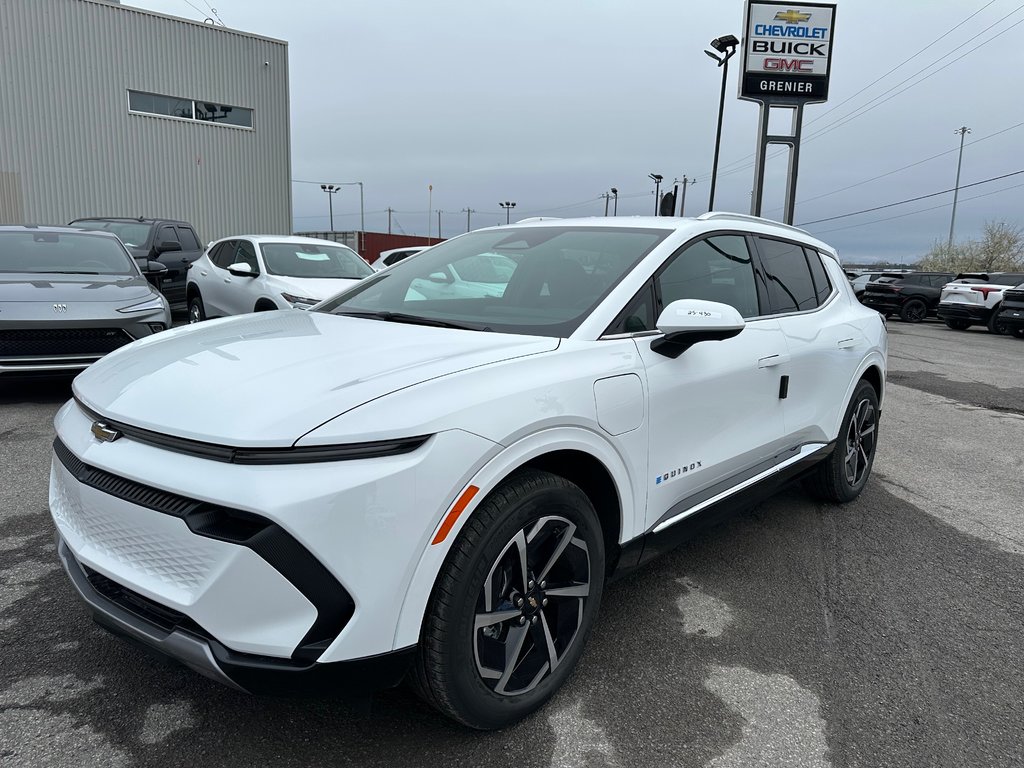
pixel 792 17
pixel 102 432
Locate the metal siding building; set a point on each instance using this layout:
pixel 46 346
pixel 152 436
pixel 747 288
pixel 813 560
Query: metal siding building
pixel 70 148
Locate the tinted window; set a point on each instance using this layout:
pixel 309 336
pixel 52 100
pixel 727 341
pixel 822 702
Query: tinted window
pixel 715 269
pixel 247 255
pixel 822 287
pixel 224 254
pixel 188 239
pixel 166 234
pixel 638 315
pixel 790 288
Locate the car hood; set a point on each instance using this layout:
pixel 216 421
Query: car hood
pixel 268 378
pixel 313 288
pixel 49 288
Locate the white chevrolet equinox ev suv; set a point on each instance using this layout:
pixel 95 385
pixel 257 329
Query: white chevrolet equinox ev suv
pixel 432 475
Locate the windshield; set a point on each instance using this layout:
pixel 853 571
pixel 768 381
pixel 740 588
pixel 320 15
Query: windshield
pixel 132 233
pixel 318 261
pixel 63 253
pixel 539 280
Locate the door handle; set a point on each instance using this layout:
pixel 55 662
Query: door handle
pixel 772 360
pixel 848 343
pixel 202 272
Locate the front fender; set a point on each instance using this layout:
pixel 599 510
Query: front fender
pixel 489 477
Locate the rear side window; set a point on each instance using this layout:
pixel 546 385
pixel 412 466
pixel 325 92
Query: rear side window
pixel 822 287
pixel 790 286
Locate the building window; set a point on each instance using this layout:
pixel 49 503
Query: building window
pixel 188 109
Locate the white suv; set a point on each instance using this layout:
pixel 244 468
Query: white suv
pixel 976 299
pixel 437 485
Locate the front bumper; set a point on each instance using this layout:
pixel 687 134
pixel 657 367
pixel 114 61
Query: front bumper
pixel 1012 317
pixel 971 313
pixel 174 636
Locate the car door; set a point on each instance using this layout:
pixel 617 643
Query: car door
pixel 215 288
pixel 825 342
pixel 715 410
pixel 172 283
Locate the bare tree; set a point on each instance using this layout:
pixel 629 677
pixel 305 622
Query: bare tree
pixel 1000 249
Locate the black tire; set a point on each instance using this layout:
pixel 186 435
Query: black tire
pixel 995 325
pixel 831 480
pixel 958 325
pixel 913 311
pixel 1018 332
pixel 196 310
pixel 450 668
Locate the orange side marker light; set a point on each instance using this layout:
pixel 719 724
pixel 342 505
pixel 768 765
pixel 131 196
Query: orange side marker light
pixel 453 516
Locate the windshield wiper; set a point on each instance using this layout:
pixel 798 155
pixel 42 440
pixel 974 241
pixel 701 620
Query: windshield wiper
pixel 67 272
pixel 401 317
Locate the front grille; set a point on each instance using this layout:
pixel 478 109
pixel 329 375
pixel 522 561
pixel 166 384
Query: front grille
pixel 1013 295
pixel 54 342
pixel 148 610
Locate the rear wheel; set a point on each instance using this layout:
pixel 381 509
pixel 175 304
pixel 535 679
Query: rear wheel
pixel 995 325
pixel 913 311
pixel 843 475
pixel 958 325
pixel 196 311
pixel 513 604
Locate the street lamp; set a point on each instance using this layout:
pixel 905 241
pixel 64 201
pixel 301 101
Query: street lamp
pixel 615 205
pixel 508 206
pixel 331 190
pixel 725 45
pixel 657 188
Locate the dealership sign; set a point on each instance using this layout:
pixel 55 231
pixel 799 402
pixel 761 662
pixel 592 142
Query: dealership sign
pixel 787 51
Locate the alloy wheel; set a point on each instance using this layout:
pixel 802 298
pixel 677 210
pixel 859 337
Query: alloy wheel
pixel 530 608
pixel 916 312
pixel 194 315
pixel 860 442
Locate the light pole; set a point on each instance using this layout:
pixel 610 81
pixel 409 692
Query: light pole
pixel 657 188
pixel 726 45
pixel 508 206
pixel 331 190
pixel 615 206
pixel 963 131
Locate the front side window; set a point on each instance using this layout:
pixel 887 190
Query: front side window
pixel 530 280
pixel 63 253
pixel 790 287
pixel 167 235
pixel 314 261
pixel 188 239
pixel 715 269
pixel 224 254
pixel 246 254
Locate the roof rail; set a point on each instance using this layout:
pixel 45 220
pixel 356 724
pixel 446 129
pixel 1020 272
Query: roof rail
pixel 532 219
pixel 747 217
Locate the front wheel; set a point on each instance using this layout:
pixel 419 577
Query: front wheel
pixel 843 475
pixel 914 311
pixel 513 604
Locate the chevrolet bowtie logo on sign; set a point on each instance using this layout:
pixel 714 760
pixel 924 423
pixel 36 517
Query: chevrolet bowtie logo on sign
pixel 792 17
pixel 102 432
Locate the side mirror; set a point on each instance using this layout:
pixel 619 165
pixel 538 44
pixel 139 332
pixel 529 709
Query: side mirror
pixel 154 268
pixel 689 321
pixel 164 246
pixel 438 277
pixel 241 269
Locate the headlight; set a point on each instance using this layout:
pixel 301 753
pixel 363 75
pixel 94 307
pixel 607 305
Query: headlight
pixel 149 305
pixel 299 302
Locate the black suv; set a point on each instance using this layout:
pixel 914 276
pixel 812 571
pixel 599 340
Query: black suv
pixel 912 295
pixel 1011 311
pixel 166 241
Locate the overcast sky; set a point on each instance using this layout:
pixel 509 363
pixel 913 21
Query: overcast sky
pixel 550 104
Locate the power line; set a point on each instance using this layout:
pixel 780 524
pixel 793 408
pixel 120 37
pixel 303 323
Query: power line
pixel 910 200
pixel 914 213
pixel 745 163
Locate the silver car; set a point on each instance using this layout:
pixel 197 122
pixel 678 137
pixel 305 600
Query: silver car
pixel 68 297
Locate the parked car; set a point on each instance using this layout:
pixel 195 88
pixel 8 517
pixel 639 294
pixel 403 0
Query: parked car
pixel 860 281
pixel 68 297
pixel 172 243
pixel 392 485
pixel 911 295
pixel 395 255
pixel 975 298
pixel 254 273
pixel 1011 311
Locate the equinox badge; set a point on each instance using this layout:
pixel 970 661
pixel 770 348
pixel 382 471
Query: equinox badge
pixel 102 432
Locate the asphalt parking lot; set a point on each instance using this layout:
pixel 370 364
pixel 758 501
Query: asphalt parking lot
pixel 889 632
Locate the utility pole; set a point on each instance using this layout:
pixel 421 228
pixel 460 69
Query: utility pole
pixel 439 212
pixel 390 211
pixel 963 131
pixel 469 212
pixel 430 209
pixel 682 204
pixel 607 196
